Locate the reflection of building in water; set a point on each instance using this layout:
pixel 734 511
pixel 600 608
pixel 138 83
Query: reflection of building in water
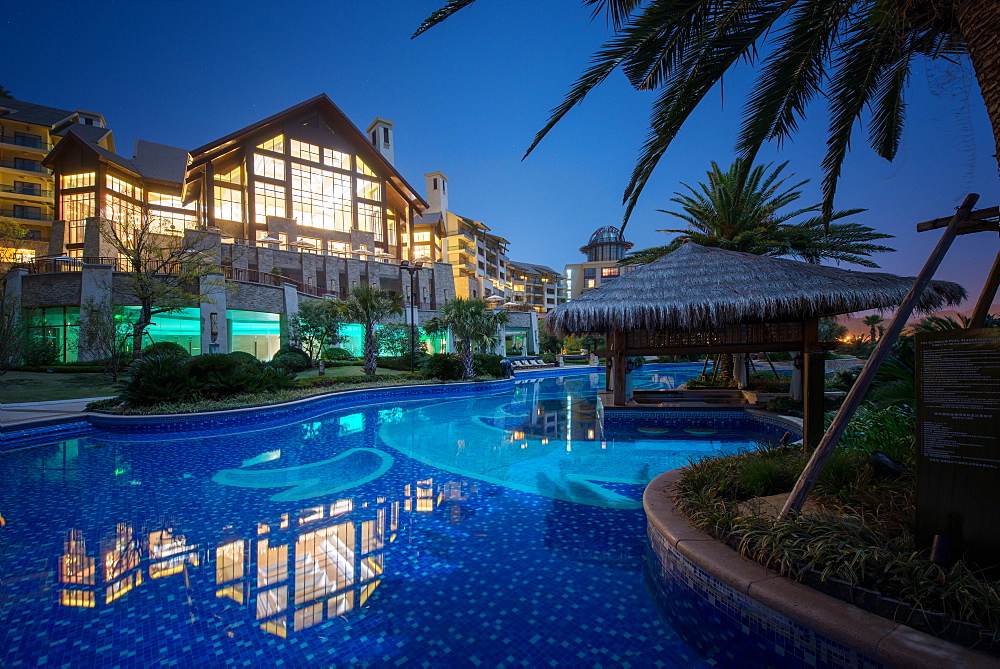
pixel 289 573
pixel 572 418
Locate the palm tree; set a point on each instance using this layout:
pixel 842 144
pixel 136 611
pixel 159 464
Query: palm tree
pixel 740 209
pixel 472 323
pixel 873 322
pixel 369 304
pixel 942 323
pixel 855 54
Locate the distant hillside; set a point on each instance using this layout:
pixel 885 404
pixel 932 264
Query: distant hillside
pixel 856 326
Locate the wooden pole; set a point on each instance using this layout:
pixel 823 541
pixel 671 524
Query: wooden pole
pixel 771 363
pixel 986 297
pixel 826 447
pixel 705 366
pixel 813 386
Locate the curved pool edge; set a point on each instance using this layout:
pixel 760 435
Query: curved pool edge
pixel 264 415
pixel 776 610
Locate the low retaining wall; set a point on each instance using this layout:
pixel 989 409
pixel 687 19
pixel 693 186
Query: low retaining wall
pixel 738 612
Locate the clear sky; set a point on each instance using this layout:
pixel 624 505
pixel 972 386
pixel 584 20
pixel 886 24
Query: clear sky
pixel 467 98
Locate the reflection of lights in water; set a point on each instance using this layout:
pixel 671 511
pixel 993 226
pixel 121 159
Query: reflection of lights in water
pixel 524 445
pixel 604 444
pixel 569 447
pixel 590 434
pixel 545 441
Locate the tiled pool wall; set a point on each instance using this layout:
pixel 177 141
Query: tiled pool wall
pixel 730 627
pixel 699 424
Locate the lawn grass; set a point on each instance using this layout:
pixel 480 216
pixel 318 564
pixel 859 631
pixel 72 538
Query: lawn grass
pixel 345 371
pixel 42 387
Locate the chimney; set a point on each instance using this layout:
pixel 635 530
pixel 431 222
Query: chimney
pixel 437 191
pixel 380 135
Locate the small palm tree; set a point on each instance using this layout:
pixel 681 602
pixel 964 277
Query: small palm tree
pixel 472 323
pixel 369 304
pixel 873 322
pixel 745 208
pixel 942 323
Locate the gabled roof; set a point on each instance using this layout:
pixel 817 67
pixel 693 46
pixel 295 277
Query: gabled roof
pixel 532 268
pixel 151 161
pixel 27 112
pixel 91 133
pixel 323 103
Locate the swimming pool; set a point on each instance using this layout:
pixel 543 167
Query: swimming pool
pixel 498 529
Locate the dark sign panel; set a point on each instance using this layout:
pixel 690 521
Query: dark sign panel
pixel 958 441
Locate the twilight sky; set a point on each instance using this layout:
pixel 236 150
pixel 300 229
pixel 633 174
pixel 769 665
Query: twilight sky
pixel 467 98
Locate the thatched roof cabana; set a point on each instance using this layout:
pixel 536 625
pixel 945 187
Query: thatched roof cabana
pixel 705 288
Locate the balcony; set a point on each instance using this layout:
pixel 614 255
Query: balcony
pixel 22 167
pixel 26 142
pixel 26 215
pixel 21 190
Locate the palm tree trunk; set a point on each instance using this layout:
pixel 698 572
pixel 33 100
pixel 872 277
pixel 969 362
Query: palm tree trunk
pixel 371 350
pixel 728 364
pixel 468 361
pixel 979 21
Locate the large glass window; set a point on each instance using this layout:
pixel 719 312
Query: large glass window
pixel 76 206
pixel 337 159
pixel 390 224
pixel 169 222
pixel 321 198
pixel 363 168
pixel 305 151
pixel 339 248
pixel 276 144
pixel 228 204
pixel 233 176
pixel 120 210
pixel 424 236
pixel 269 200
pixel 125 188
pixel 85 180
pixel 369 190
pixel 370 219
pixel 165 200
pixel 266 166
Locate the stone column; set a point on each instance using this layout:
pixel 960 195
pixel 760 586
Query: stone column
pixel 94 244
pixel 289 313
pixel 14 289
pixel 57 238
pixel 214 324
pixel 96 287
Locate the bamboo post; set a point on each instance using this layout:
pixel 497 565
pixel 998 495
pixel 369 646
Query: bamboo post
pixel 826 447
pixel 986 297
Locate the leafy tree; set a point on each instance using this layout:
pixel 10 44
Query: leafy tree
pixel 857 55
pixel 942 323
pixel 160 270
pixel 741 209
pixel 4 93
pixel 369 304
pixel 319 325
pixel 549 343
pixel 13 332
pixel 831 330
pixel 472 323
pixel 873 322
pixel 106 332
pixel 11 231
pixel 394 339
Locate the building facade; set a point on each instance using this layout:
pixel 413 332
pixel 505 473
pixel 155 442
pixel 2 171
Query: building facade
pixel 538 287
pixel 27 133
pixel 606 247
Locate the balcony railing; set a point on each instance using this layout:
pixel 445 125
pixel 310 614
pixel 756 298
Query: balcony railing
pixel 24 167
pixel 21 190
pixel 26 215
pixel 25 141
pixel 268 279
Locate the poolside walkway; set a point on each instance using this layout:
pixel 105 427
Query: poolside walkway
pixel 37 414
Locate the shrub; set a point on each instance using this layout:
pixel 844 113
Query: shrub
pixel 550 358
pixel 243 356
pixel 444 366
pixel 159 378
pixel 334 353
pixel 488 365
pixel 40 352
pixel 166 348
pixel 785 406
pixel 295 361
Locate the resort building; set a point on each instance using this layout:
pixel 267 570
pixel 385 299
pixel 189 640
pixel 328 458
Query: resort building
pixel 300 205
pixel 478 257
pixel 27 133
pixel 536 286
pixel 604 249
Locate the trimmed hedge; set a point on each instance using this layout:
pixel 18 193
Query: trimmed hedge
pixel 166 348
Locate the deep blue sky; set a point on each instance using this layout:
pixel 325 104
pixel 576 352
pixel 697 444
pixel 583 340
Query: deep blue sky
pixel 467 97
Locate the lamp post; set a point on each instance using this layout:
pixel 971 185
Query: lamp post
pixel 412 269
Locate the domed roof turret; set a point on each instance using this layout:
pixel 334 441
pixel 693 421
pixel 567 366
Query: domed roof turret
pixel 607 243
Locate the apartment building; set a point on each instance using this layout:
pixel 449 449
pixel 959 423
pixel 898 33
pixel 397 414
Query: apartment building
pixel 536 286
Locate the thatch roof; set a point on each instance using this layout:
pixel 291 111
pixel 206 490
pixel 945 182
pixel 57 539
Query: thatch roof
pixel 703 288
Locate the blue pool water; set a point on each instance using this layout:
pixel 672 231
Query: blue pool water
pixel 501 529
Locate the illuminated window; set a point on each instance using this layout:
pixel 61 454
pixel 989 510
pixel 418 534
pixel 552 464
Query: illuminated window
pixel 269 200
pixel 609 271
pixel 228 204
pixel 305 151
pixel 369 190
pixel 76 206
pixel 169 222
pixel 369 217
pixel 266 166
pixel 589 283
pixel 272 563
pixel 74 564
pixel 164 200
pixel 233 176
pixel 121 211
pixel 324 562
pixel 85 180
pixel 337 159
pixel 378 229
pixel 422 251
pixel 229 561
pixel 421 236
pixel 275 144
pixel 316 244
pixel 124 187
pixel 339 248
pixel 363 168
pixel 321 198
pixel 390 224
pixel 16 255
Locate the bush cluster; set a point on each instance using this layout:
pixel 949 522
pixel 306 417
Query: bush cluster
pixel 166 348
pixel 336 353
pixel 291 358
pixel 172 378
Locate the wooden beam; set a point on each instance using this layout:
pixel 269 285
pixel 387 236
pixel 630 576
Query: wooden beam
pixel 987 296
pixel 826 447
pixel 813 388
pixel 978 221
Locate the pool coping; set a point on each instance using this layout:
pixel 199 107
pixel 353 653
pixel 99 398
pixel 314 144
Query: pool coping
pixel 884 640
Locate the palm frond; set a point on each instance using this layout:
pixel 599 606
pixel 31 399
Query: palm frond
pixel 441 14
